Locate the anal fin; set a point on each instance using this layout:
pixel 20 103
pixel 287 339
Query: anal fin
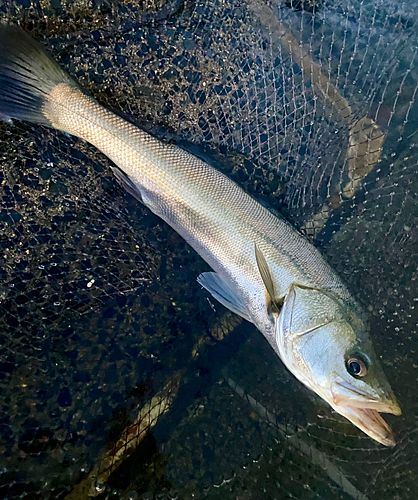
pixel 223 293
pixel 127 184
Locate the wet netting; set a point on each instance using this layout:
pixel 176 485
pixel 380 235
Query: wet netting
pixel 120 378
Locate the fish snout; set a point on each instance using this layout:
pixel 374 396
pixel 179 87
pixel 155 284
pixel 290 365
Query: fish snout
pixel 347 395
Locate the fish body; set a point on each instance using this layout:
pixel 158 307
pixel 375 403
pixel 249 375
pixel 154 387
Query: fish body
pixel 263 269
pixel 211 212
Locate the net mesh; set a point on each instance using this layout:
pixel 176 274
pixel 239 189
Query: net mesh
pixel 119 376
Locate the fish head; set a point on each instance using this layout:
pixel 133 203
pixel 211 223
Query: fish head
pixel 325 344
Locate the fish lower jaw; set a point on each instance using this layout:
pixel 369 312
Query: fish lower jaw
pixel 370 422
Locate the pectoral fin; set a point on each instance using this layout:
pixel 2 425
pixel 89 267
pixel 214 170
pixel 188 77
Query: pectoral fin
pixel 223 293
pixel 273 304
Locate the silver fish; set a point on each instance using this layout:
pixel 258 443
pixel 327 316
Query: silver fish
pixel 263 269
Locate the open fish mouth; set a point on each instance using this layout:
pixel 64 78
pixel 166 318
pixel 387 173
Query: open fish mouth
pixel 363 410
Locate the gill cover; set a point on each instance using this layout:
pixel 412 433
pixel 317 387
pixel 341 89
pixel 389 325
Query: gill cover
pixel 314 332
pixel 306 309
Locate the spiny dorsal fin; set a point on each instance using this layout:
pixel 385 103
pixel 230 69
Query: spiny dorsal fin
pixel 273 304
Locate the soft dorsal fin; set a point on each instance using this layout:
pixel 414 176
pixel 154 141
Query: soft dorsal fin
pixel 273 303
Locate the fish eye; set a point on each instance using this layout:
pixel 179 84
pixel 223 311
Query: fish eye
pixel 356 366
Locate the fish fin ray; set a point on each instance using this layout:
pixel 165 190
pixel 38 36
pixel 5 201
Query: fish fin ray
pixel 27 76
pixel 273 304
pixel 126 182
pixel 223 293
pixel 264 270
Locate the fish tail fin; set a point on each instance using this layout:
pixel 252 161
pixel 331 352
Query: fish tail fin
pixel 27 77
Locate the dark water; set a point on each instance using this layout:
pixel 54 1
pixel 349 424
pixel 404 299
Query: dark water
pixel 119 376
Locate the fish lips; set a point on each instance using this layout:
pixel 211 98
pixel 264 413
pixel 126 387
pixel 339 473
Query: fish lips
pixel 362 409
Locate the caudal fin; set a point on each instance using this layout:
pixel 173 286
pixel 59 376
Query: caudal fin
pixel 27 76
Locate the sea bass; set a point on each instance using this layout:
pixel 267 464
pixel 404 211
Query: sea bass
pixel 263 269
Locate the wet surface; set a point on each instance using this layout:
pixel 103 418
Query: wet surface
pixel 119 376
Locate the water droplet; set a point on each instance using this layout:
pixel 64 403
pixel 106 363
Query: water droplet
pixel 99 487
